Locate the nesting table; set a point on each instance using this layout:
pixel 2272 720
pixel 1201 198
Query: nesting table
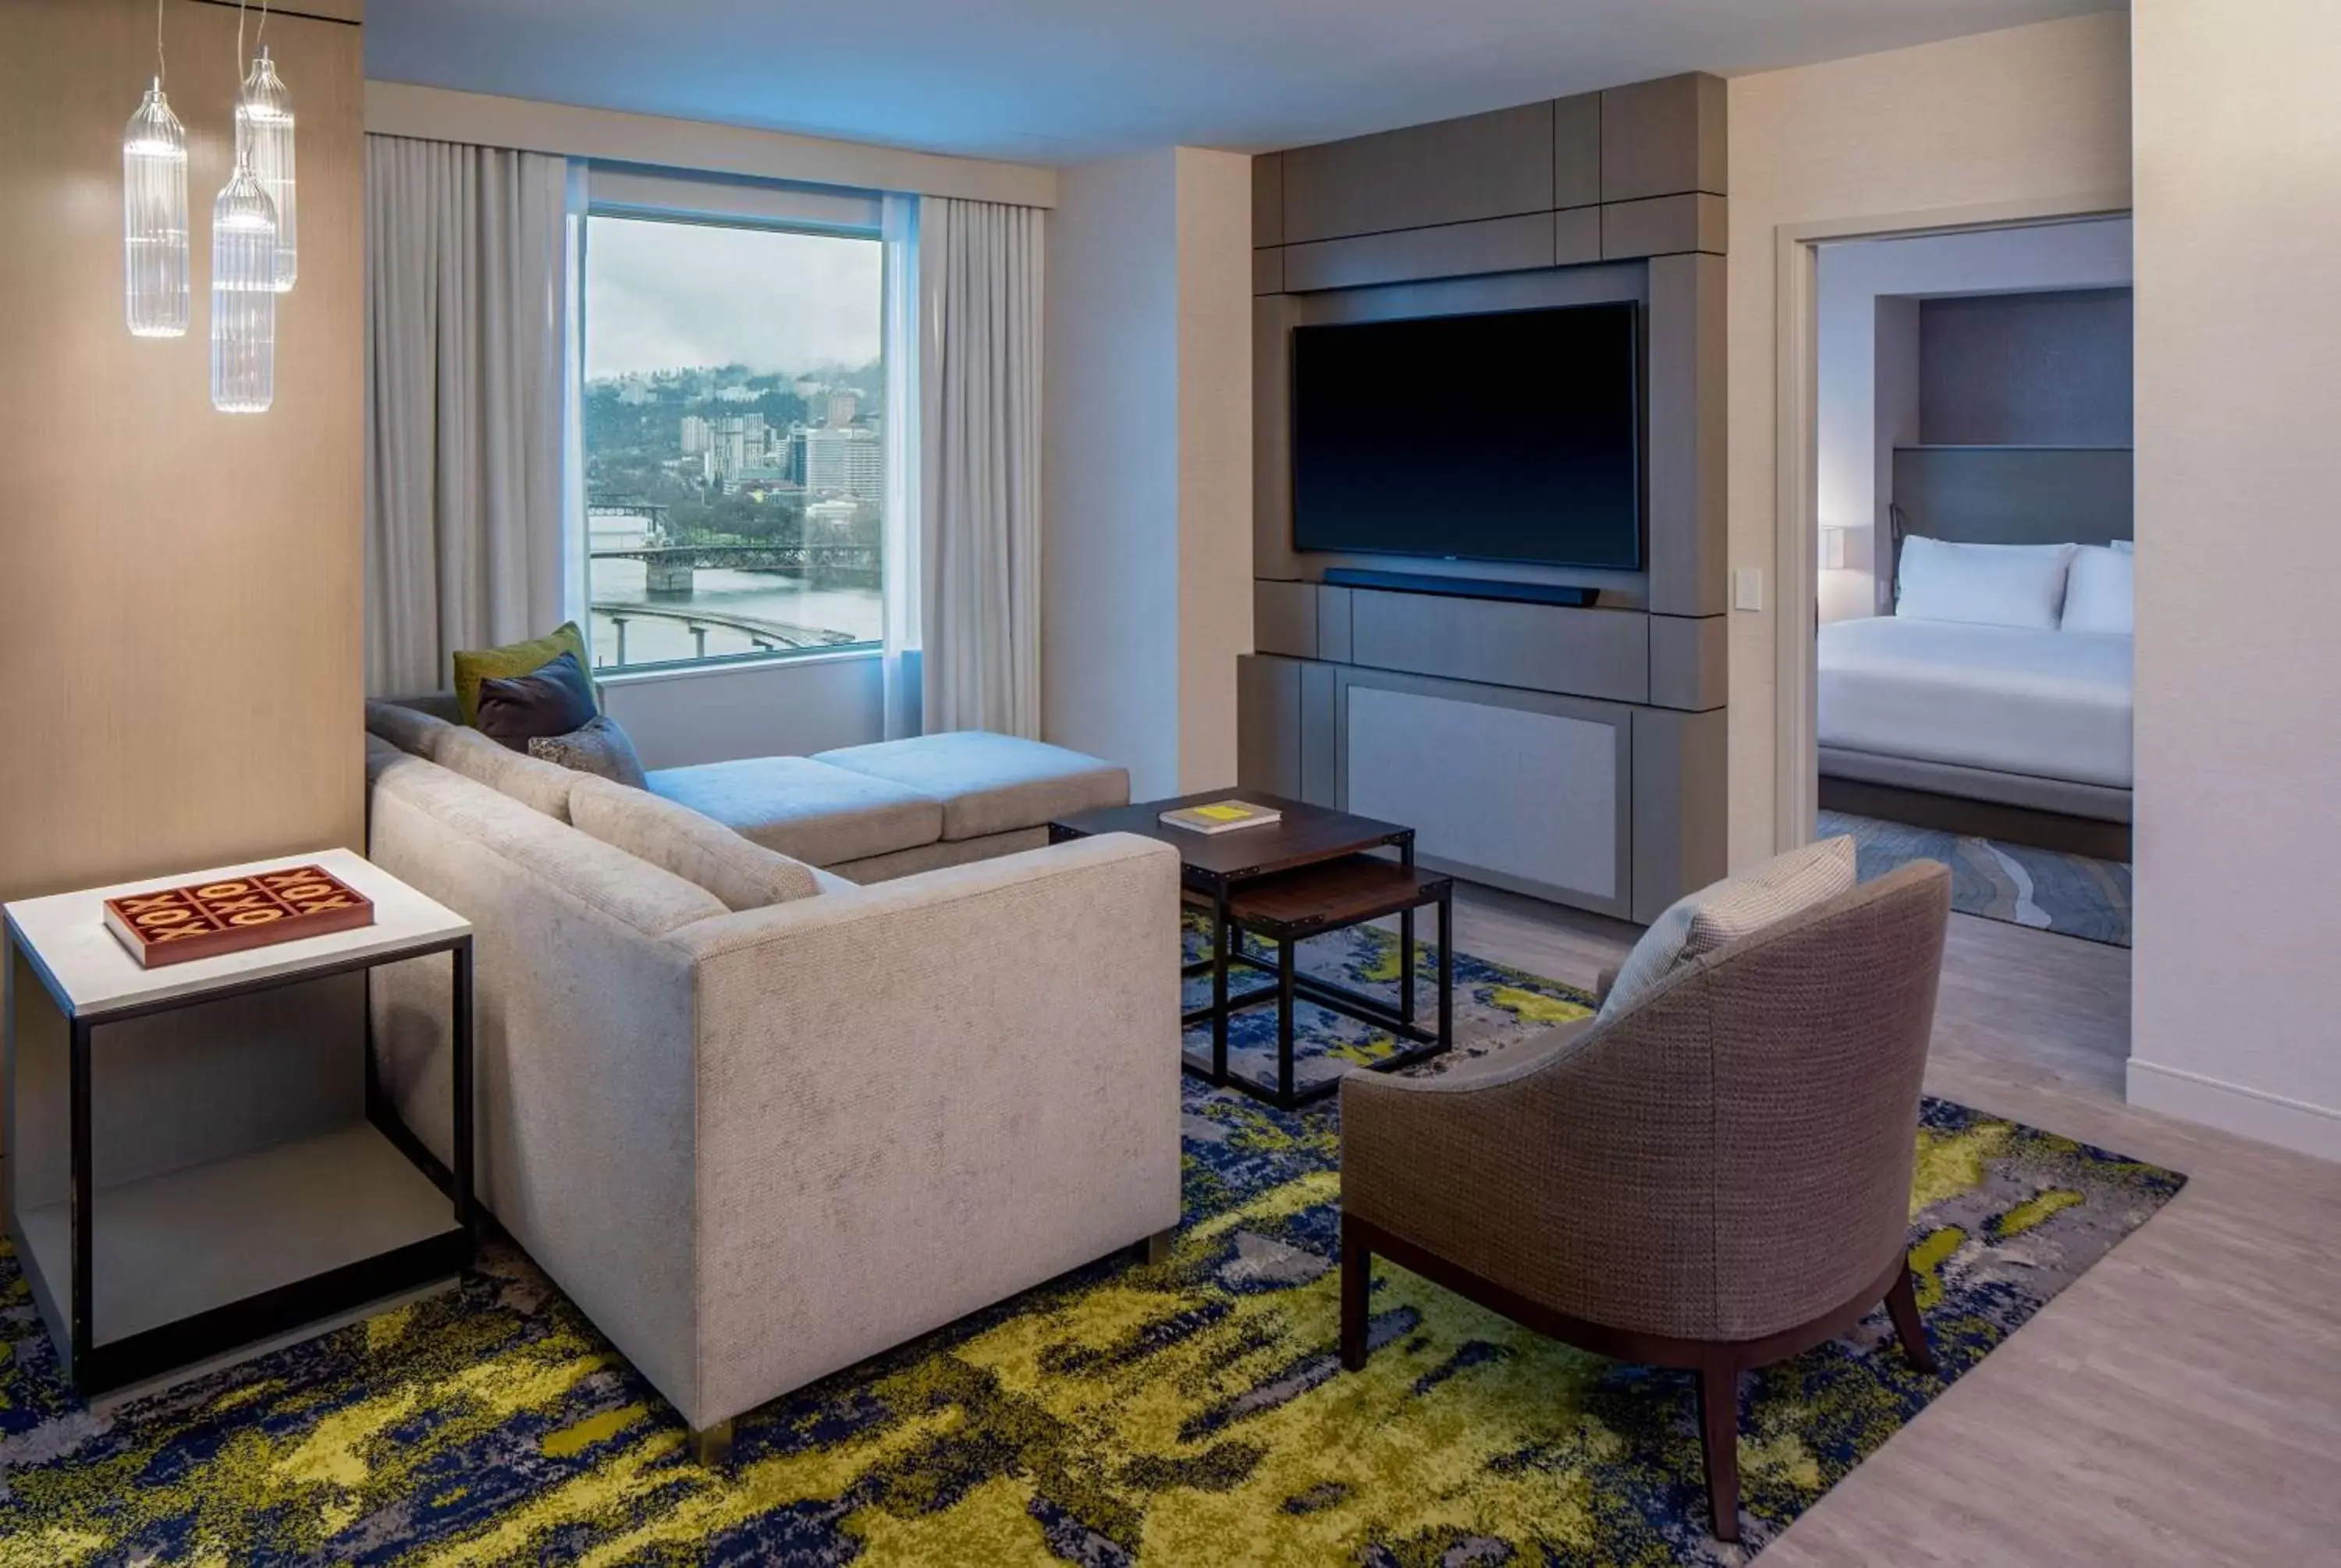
pixel 148 1244
pixel 1313 871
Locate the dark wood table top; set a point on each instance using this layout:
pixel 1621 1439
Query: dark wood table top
pixel 1304 835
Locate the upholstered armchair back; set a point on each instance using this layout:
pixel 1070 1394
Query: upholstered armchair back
pixel 1730 1158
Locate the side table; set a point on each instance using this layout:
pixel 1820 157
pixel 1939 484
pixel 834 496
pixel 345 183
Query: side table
pixel 142 1276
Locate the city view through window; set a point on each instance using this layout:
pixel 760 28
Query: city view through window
pixel 734 467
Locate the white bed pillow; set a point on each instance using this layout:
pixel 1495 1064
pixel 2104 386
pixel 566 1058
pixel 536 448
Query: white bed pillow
pixel 2126 546
pixel 2097 591
pixel 1983 584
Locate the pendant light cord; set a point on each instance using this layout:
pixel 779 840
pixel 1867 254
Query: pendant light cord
pixel 161 68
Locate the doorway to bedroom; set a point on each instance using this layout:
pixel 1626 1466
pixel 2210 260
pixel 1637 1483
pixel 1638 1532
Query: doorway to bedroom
pixel 1971 678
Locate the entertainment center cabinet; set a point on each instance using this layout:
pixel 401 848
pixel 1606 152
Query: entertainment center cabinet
pixel 1574 753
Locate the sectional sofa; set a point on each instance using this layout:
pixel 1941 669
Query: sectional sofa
pixel 782 1063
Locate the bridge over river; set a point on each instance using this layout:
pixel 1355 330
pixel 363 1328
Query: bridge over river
pixel 668 568
pixel 763 635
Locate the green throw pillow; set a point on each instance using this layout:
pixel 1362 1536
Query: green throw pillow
pixel 475 665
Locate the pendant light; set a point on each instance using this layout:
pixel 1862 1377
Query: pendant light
pixel 243 280
pixel 155 211
pixel 263 134
pixel 244 294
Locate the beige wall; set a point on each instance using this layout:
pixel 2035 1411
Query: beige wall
pixel 1214 458
pixel 179 598
pixel 2030 114
pixel 1146 560
pixel 2237 1007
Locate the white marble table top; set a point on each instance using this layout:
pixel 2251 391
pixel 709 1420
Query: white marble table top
pixel 91 974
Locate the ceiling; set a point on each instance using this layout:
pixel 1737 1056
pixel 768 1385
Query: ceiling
pixel 1061 81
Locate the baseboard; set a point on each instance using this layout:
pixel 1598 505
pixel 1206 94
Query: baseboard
pixel 2233 1108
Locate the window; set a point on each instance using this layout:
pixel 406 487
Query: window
pixel 733 454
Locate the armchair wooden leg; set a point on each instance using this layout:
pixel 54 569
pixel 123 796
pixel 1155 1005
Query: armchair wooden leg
pixel 1155 1248
pixel 1718 1442
pixel 1357 1282
pixel 1902 1303
pixel 710 1446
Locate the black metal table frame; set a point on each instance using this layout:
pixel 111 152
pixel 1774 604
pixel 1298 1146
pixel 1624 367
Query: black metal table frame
pixel 1226 953
pixel 134 1357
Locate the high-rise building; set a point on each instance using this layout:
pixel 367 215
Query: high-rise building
pixel 838 406
pixel 842 462
pixel 738 442
pixel 695 435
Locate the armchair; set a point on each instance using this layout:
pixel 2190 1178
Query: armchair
pixel 1715 1179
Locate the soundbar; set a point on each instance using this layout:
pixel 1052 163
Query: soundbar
pixel 1462 586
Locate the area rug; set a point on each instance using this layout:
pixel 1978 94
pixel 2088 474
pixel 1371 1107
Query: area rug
pixel 2071 895
pixel 1186 1413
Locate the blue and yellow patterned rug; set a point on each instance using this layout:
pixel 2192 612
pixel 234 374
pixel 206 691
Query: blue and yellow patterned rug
pixel 2048 889
pixel 1190 1413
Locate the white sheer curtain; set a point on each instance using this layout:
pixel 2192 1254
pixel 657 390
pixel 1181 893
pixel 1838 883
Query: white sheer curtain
pixel 905 545
pixel 467 317
pixel 979 442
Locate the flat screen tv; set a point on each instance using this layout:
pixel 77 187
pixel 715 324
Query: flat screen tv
pixel 1514 436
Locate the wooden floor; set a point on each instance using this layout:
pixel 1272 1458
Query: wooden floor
pixel 2181 1403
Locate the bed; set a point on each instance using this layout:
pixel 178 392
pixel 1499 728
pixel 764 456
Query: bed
pixel 2015 733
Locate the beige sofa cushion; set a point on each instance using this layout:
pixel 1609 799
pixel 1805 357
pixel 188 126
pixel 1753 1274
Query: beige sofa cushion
pixel 990 783
pixel 700 850
pixel 623 887
pixel 543 786
pixel 1723 912
pixel 408 729
pixel 806 809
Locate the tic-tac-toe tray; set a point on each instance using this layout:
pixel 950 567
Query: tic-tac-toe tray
pixel 204 919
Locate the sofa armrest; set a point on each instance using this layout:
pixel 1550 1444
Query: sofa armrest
pixel 918 1097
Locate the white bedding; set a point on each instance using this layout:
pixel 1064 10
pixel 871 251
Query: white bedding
pixel 2046 704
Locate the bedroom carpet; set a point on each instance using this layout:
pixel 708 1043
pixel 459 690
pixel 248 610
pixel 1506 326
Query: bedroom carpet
pixel 2071 895
pixel 1189 1412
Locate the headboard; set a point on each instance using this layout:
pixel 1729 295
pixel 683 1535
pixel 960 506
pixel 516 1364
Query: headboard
pixel 2010 495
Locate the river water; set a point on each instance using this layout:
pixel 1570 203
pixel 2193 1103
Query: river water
pixel 757 595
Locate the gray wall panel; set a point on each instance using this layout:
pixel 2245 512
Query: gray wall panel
pixel 1686 479
pixel 1576 236
pixel 1333 642
pixel 1664 137
pixel 1455 250
pixel 1321 740
pixel 1664 225
pixel 1689 660
pixel 1482 166
pixel 1678 806
pixel 1267 199
pixel 1546 821
pixel 1284 618
pixel 1597 653
pixel 1268 725
pixel 2027 370
pixel 1576 150
pixel 1267 271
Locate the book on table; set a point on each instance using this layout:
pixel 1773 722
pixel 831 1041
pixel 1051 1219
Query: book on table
pixel 1222 817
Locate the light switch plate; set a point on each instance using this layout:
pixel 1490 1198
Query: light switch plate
pixel 1748 588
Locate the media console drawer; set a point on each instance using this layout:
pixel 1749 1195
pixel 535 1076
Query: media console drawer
pixel 1598 653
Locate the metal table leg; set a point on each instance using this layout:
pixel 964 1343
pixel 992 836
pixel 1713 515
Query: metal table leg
pixel 1284 975
pixel 1221 938
pixel 1406 940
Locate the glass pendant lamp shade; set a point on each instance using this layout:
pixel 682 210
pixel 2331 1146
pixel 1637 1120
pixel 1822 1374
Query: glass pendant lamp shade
pixel 264 136
pixel 243 296
pixel 154 219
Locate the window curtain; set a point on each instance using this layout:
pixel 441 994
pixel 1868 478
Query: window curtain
pixel 979 484
pixel 466 338
pixel 905 544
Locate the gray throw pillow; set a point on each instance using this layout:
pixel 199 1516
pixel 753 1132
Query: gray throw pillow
pixel 599 748
pixel 1724 912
